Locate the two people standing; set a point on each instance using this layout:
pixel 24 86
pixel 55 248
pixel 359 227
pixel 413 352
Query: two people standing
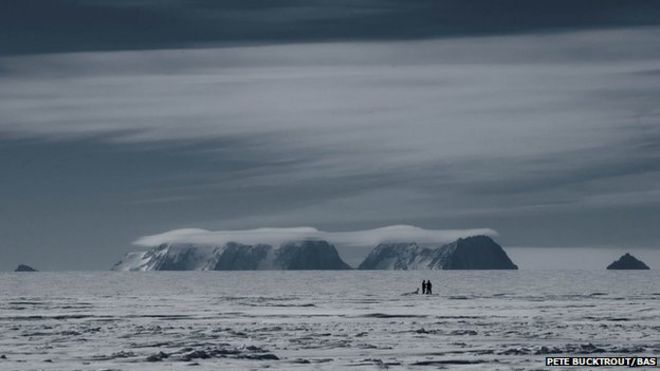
pixel 427 287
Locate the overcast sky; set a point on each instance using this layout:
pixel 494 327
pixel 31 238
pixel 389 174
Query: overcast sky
pixel 118 119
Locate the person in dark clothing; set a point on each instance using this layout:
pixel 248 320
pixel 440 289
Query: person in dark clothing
pixel 429 288
pixel 423 286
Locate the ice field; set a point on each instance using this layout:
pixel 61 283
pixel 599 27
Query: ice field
pixel 325 320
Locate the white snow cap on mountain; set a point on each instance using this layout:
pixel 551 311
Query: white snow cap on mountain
pixel 276 236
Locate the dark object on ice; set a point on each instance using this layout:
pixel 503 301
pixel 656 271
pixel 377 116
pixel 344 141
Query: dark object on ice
pixel 24 268
pixel 416 292
pixel 157 357
pixel 225 351
pixel 261 357
pixel 477 252
pixel 429 287
pixel 424 287
pixel 628 261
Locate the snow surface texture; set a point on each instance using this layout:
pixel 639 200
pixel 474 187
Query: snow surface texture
pixel 342 320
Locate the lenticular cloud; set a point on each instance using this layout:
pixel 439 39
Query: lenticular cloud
pixel 276 236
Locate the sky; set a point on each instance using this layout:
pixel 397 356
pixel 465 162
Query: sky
pixel 538 120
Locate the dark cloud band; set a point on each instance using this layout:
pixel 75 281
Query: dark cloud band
pixel 45 26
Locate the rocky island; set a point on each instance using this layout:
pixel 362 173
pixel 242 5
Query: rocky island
pixel 477 252
pixel 24 268
pixel 628 261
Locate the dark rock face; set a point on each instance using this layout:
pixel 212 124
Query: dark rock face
pixel 186 257
pixel 311 255
pixel 24 268
pixel 628 261
pixel 397 256
pixel 237 257
pixel 478 252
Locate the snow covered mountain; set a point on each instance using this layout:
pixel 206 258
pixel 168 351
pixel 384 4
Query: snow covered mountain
pixel 478 252
pixel 296 255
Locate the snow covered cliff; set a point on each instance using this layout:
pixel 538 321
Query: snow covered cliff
pixel 310 248
pixel 296 255
pixel 477 252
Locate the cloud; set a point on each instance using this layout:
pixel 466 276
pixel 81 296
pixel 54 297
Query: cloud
pixel 47 26
pixel 463 98
pixel 527 134
pixel 276 236
pixel 455 126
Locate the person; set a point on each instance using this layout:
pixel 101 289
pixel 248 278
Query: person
pixel 423 286
pixel 429 288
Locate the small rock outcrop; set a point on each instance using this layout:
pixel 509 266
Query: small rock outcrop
pixel 477 252
pixel 628 261
pixel 24 268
